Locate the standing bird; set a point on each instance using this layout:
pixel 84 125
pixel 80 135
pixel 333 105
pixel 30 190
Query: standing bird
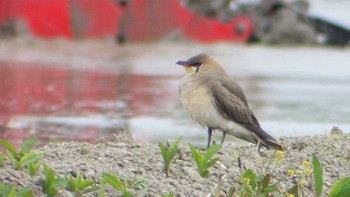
pixel 216 101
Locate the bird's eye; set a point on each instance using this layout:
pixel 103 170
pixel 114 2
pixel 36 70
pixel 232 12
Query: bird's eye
pixel 197 64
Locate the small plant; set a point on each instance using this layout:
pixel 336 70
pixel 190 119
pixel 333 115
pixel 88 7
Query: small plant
pixel 84 150
pixel 253 185
pixel 168 154
pixel 318 173
pixel 10 191
pixel 7 190
pixel 79 185
pixel 33 167
pixel 51 182
pixel 20 158
pixel 127 188
pixel 341 188
pixel 204 162
pixel 117 184
pixel 2 159
pixel 169 195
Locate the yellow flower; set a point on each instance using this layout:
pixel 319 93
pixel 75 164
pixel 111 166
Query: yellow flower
pixel 306 164
pixel 291 172
pixel 290 195
pixel 303 183
pixel 308 171
pixel 299 172
pixel 280 154
pixel 246 181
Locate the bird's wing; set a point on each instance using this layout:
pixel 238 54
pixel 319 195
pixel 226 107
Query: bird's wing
pixel 231 104
pixel 233 87
pixel 232 107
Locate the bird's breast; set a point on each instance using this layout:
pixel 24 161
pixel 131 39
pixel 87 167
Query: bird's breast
pixel 197 101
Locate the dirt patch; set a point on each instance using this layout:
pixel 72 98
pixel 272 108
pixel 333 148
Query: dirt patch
pixel 145 161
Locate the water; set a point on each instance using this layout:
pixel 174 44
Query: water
pixel 292 91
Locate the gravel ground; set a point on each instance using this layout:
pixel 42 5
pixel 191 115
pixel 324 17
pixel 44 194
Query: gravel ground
pixel 145 161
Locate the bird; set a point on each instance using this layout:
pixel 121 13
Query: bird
pixel 216 101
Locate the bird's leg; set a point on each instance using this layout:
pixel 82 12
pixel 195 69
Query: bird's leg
pixel 210 130
pixel 223 138
pixel 259 147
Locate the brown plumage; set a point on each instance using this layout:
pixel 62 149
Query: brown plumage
pixel 216 101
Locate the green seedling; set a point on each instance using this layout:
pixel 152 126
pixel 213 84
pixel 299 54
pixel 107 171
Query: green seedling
pixel 253 185
pixel 23 161
pixel 10 191
pixel 126 187
pixel 318 173
pixel 7 190
pixel 33 167
pixel 51 183
pixel 101 192
pixel 2 159
pixel 168 154
pixel 137 184
pixel 21 158
pixel 169 195
pixel 117 184
pixel 84 150
pixel 341 188
pixel 80 185
pixel 204 162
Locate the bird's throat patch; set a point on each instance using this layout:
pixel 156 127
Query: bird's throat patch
pixel 192 69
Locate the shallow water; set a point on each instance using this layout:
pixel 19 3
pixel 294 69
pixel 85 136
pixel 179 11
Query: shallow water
pixel 293 95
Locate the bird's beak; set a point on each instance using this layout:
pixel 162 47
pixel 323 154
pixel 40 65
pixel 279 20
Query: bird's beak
pixel 182 63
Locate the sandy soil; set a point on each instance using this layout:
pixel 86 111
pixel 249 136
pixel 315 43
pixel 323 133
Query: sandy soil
pixel 126 159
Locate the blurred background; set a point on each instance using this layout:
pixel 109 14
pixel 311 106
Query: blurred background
pixel 85 69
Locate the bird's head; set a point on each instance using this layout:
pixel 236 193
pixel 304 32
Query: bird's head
pixel 200 64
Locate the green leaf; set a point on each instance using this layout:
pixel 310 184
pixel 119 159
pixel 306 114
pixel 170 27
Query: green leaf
pixel 101 192
pixel 25 192
pixel 197 155
pixel 71 183
pixel 33 167
pixel 8 146
pixel 249 174
pixel 211 162
pixel 318 174
pixel 168 154
pixel 60 182
pixel 113 181
pixel 204 162
pixel 89 189
pixel 29 157
pixel 270 189
pixel 28 144
pixel 48 184
pixel 138 183
pixel 12 191
pixel 2 159
pixel 163 151
pixel 169 195
pixel 204 173
pixel 84 184
pixel 12 158
pixel 211 151
pixel 341 188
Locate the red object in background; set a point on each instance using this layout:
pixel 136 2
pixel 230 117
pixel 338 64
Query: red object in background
pixel 43 18
pixel 136 20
